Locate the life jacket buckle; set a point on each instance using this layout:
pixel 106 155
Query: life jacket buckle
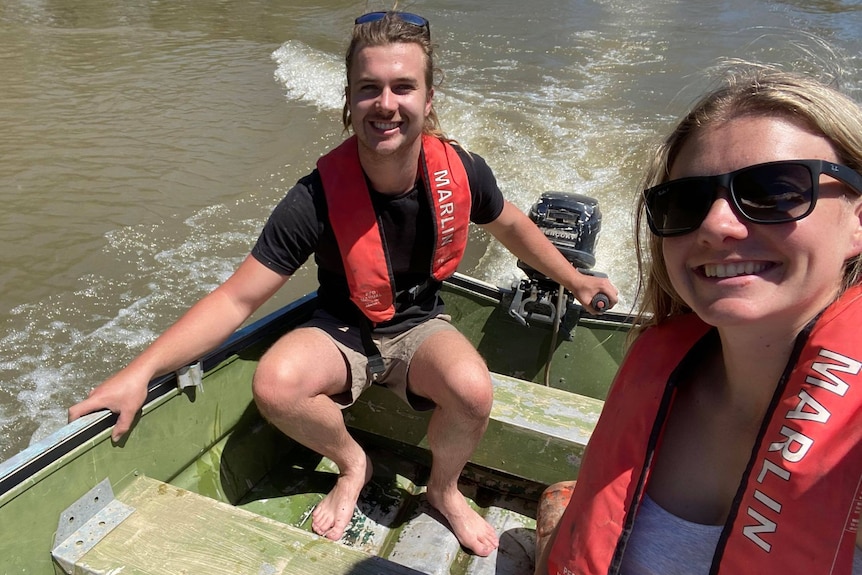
pixel 375 367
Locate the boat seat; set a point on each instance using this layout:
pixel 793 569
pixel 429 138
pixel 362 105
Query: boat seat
pixel 535 432
pixel 172 531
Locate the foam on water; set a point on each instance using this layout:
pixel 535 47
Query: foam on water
pixel 556 133
pixel 535 140
pixel 161 271
pixel 567 109
pixel 310 76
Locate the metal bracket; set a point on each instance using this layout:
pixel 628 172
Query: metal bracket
pixel 537 307
pixel 86 522
pixel 191 376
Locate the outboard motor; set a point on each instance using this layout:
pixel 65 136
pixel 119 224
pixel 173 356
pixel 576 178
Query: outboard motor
pixel 572 223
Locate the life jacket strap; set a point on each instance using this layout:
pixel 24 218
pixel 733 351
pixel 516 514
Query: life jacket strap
pixel 375 367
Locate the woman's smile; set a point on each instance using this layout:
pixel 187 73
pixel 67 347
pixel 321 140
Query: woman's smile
pixel 733 269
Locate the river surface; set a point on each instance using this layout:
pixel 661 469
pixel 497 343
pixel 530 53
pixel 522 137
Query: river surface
pixel 143 143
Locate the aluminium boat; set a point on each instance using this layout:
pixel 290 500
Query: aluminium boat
pixel 202 484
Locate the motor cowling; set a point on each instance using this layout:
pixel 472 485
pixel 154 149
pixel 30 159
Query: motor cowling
pixel 572 223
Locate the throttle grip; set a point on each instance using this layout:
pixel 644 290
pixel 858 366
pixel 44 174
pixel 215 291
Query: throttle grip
pixel 600 302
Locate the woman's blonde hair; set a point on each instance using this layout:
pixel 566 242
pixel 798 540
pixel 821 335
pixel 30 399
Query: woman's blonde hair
pixel 746 90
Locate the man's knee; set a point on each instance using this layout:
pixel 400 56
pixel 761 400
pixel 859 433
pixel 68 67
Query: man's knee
pixel 448 370
pixel 271 385
pixel 480 393
pixel 469 390
pixel 302 365
pixel 278 376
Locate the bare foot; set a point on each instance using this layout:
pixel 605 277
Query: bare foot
pixel 332 515
pixel 471 529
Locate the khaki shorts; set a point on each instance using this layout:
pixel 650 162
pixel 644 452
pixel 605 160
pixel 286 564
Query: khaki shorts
pixel 396 351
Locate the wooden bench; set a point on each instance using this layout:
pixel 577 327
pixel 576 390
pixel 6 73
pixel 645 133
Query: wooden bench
pixel 172 531
pixel 536 433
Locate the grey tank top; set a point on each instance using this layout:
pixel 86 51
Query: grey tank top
pixel 663 544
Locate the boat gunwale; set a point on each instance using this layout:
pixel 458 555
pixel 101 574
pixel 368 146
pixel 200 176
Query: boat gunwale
pixel 494 293
pixel 25 468
pixel 22 469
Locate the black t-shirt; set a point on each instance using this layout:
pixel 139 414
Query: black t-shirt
pixel 299 226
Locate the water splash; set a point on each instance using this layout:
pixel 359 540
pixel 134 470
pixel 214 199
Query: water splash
pixel 310 76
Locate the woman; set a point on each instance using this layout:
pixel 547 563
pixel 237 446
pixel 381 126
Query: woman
pixel 731 441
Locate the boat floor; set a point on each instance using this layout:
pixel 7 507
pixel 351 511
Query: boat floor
pixel 243 504
pixel 393 519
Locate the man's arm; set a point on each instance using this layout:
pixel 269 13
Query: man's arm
pixel 202 328
pixel 527 242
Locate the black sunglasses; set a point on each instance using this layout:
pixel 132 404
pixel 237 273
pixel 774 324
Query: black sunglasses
pixel 408 17
pixel 770 193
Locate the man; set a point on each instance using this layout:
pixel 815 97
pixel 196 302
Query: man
pixel 385 215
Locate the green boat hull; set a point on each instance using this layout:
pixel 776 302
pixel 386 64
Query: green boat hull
pixel 209 442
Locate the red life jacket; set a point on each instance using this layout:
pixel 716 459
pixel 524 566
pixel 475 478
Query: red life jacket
pixel 354 222
pixel 797 509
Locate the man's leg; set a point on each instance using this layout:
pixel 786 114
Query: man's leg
pixel 449 371
pixel 292 385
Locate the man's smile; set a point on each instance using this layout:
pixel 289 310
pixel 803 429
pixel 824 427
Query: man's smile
pixel 385 125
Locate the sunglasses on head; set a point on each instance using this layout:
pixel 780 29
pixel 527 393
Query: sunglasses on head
pixel 770 193
pixel 407 17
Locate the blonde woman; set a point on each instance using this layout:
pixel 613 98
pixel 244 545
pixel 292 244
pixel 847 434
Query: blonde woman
pixel 731 441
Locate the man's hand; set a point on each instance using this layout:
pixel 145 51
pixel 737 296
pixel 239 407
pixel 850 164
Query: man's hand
pixel 527 242
pixel 124 394
pixel 589 287
pixel 206 325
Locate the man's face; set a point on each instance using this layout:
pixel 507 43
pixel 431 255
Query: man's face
pixel 389 99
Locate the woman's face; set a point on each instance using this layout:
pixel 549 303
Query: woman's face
pixel 733 272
